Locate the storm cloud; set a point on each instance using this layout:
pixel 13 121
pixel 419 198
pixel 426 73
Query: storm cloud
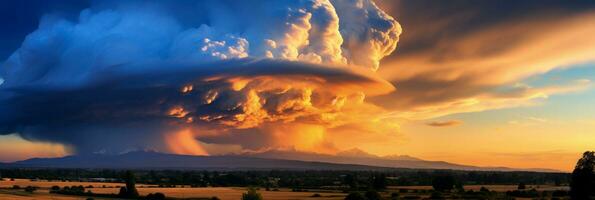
pixel 126 74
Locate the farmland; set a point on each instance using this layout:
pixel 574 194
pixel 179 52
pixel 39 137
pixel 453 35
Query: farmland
pixel 225 193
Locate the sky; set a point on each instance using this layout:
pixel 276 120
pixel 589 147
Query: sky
pixel 495 83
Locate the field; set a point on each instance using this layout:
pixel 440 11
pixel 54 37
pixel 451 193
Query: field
pixel 497 188
pixel 224 193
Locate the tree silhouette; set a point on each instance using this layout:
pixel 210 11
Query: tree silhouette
pixel 130 190
pixel 351 180
pixel 443 183
pixel 379 182
pixel 582 185
pixel 522 186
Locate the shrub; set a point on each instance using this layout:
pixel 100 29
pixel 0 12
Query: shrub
pixel 16 187
pixel 522 186
pixel 215 198
pixel 156 196
pixel 251 194
pixel 54 189
pixel 30 189
pixel 316 195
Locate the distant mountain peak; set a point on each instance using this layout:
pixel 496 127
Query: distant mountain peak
pixel 353 159
pixel 356 152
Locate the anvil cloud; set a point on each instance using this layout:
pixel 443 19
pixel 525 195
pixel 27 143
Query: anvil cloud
pixel 154 74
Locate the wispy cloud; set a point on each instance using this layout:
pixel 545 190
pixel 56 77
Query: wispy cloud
pixel 445 123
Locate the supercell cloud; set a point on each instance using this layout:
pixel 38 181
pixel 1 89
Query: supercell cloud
pixel 154 74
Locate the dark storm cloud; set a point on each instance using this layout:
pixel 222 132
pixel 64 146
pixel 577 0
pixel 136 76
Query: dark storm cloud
pixel 113 75
pixel 129 110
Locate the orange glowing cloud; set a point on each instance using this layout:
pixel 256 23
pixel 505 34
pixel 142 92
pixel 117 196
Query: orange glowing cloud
pixel 14 148
pixel 184 142
pixel 467 73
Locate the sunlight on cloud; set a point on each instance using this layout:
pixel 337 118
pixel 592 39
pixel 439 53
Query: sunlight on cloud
pixel 15 148
pixel 467 74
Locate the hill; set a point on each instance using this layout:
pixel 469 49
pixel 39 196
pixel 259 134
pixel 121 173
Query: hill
pixel 273 159
pixel 155 160
pixel 359 157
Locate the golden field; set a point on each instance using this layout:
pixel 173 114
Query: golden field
pixel 223 193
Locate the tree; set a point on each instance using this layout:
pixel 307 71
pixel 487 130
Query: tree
pixel 251 194
pixel 379 182
pixel 522 186
pixel 355 196
pixel 443 183
pixel 582 185
pixel 55 189
pixel 122 192
pixel 130 190
pixel 351 180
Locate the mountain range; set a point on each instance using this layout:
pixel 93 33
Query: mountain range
pixel 359 157
pixel 353 159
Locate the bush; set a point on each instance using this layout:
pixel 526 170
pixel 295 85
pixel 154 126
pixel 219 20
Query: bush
pixel 16 187
pixel 215 198
pixel 355 196
pixel 156 196
pixel 30 189
pixel 522 186
pixel 54 189
pixel 316 195
pixel 251 194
